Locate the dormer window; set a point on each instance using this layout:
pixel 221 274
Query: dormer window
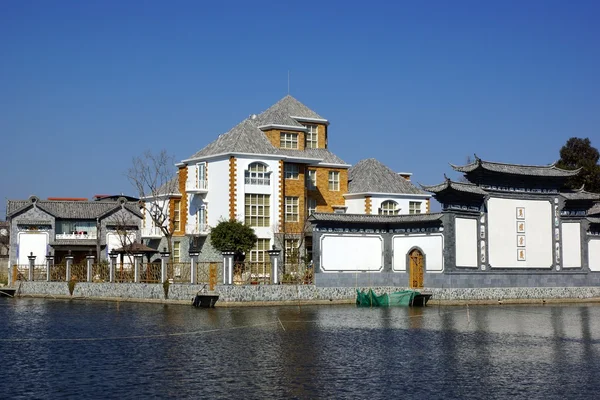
pixel 257 174
pixel 312 140
pixel 288 140
pixel 389 207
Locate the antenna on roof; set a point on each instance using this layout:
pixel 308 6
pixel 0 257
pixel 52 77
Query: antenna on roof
pixel 288 81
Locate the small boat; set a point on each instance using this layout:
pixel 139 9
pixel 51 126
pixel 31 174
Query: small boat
pixel 410 298
pixel 205 299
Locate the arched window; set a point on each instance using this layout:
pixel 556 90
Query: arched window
pixel 389 207
pixel 258 174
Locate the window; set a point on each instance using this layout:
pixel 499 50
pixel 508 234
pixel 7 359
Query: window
pixel 389 207
pixel 311 179
pixel 257 174
pixel 291 171
pixel 258 210
pixel 334 181
pixel 176 215
pixel 202 219
pixel 288 140
pixel 291 209
pixel 259 251
pixel 414 207
pixel 202 176
pixel 176 251
pixel 311 206
pixel 292 250
pixel 312 137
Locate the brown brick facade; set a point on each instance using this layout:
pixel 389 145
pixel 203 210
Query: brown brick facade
pixel 295 188
pixel 368 205
pixel 326 199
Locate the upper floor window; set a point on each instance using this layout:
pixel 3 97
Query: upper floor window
pixel 292 250
pixel 291 209
pixel 258 209
pixel 176 251
pixel 334 181
pixel 257 174
pixel 176 215
pixel 201 171
pixel 291 171
pixel 312 137
pixel 389 207
pixel 414 207
pixel 311 205
pixel 311 179
pixel 288 140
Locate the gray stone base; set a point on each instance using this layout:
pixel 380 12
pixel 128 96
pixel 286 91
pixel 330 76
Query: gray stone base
pixel 290 293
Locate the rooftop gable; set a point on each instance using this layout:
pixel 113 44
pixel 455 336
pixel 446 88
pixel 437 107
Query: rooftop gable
pixel 69 209
pixel 550 170
pixel 371 176
pixel 286 112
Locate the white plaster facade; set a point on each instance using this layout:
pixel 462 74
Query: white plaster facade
pixel 432 247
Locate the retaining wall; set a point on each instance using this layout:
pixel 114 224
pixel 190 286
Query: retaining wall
pixel 292 293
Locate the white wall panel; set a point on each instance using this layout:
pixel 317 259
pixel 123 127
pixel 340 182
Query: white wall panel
pixel 431 245
pixel 351 253
pixel 594 254
pixel 466 242
pixel 502 229
pixel 571 244
pixel 32 242
pixel 218 191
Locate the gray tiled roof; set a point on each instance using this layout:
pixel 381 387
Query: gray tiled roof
pixel 373 218
pixel 169 187
pixel 371 176
pixel 594 210
pixel 594 220
pixel 281 112
pixel 581 195
pixel 70 209
pixel 458 186
pixel 246 137
pixel 516 169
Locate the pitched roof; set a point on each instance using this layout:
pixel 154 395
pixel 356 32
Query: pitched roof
pixel 581 195
pixel 458 186
pixel 169 187
pixel 246 137
pixel 282 113
pixel 371 176
pixel 516 169
pixel 69 209
pixel 373 218
pixel 594 210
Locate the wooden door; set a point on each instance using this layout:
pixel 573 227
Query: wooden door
pixel 416 269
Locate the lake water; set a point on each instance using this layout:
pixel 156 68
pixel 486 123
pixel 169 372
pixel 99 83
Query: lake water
pixel 84 349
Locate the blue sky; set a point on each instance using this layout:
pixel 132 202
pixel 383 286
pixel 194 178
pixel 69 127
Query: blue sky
pixel 85 86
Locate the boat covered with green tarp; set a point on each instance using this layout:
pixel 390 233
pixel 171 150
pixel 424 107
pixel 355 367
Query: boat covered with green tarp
pixel 401 298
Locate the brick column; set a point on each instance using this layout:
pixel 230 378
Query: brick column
pixel 274 256
pixel 90 264
pixel 31 258
pixel 164 260
pixel 228 267
pixel 193 266
pixel 49 265
pixel 112 267
pixel 69 261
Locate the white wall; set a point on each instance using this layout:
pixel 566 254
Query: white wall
pixel 502 229
pixel 28 242
pixel 402 200
pixel 466 242
pixel 594 254
pixel 116 241
pixel 355 206
pixel 431 245
pixel 351 253
pixel 571 244
pixel 217 198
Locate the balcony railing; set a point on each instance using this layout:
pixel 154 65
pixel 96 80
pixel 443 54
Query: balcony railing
pixel 197 186
pixel 151 232
pixel 258 181
pixel 76 235
pixel 201 229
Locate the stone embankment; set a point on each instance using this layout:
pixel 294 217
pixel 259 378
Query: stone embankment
pixel 296 294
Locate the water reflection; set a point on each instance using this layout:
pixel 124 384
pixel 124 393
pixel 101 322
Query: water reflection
pixel 115 350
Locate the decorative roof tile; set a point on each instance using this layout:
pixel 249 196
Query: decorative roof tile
pixel 70 209
pixel 594 210
pixel 594 220
pixel 371 176
pixel 458 186
pixel 516 169
pixel 581 195
pixel 374 218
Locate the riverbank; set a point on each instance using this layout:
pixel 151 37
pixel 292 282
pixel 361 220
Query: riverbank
pixel 293 295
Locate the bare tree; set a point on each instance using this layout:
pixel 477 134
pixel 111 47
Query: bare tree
pixel 284 232
pixel 155 179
